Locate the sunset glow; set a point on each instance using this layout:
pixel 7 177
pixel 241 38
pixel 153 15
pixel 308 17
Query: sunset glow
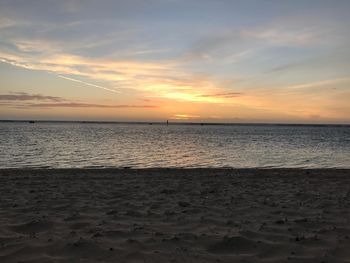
pixel 201 61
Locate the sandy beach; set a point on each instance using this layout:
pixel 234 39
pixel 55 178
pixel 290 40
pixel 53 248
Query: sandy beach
pixel 174 215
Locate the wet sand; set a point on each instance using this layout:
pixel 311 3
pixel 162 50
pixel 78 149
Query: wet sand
pixel 174 215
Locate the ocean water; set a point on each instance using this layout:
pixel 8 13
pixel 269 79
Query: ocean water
pixel 68 145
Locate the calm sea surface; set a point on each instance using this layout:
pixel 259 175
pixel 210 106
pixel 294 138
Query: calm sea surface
pixel 58 145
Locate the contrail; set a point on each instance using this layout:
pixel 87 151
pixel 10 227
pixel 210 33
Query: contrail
pixel 17 64
pixel 88 84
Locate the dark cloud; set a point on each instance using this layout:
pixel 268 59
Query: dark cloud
pixel 22 96
pixel 83 105
pixel 25 100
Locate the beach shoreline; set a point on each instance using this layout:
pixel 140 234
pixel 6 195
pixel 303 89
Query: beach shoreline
pixel 175 215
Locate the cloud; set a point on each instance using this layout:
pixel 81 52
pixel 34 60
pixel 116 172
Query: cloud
pixel 286 67
pixel 233 45
pixel 124 74
pixel 161 79
pixel 81 105
pixel 193 95
pixel 5 22
pixel 336 60
pixel 25 100
pixel 223 95
pixel 22 96
pixel 184 117
pixel 318 83
pixel 282 36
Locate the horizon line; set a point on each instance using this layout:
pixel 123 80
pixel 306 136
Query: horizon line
pixel 177 122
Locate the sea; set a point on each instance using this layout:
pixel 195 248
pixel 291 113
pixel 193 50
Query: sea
pixel 153 145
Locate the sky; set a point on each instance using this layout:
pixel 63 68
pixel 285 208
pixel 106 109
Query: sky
pixel 178 60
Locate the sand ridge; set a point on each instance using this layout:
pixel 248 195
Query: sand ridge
pixel 175 215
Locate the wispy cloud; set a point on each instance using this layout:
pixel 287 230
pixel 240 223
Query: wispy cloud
pixel 162 79
pixel 185 117
pixel 282 36
pixel 223 95
pixel 5 22
pixel 318 83
pixel 22 96
pixel 230 46
pixel 25 100
pixel 81 105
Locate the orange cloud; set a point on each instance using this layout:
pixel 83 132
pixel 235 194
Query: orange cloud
pixel 162 79
pixel 185 117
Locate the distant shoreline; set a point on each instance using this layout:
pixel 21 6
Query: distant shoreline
pixel 181 123
pixel 169 170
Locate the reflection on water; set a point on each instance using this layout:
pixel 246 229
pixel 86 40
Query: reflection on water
pixel 138 146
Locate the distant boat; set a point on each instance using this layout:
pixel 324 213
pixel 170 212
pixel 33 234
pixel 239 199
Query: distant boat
pixel 31 121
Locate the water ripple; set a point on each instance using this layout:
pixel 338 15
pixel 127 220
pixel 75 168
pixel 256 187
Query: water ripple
pixel 65 145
